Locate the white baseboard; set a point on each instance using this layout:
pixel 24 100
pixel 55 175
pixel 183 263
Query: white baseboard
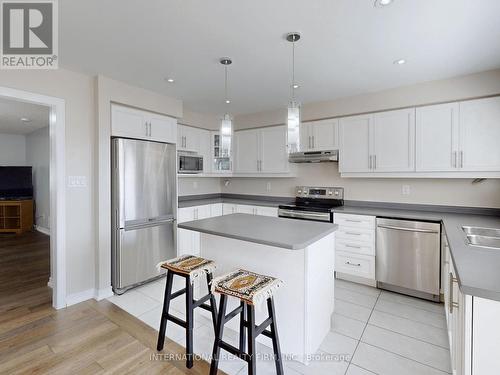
pixel 73 299
pixel 42 230
pixel 356 279
pixel 97 294
pixel 103 293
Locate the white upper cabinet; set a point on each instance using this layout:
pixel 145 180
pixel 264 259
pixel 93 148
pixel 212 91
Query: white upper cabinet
pixel 393 141
pixel 261 150
pixel 247 151
pixel 187 138
pixel 319 135
pixel 273 152
pixel 196 140
pixel 133 123
pixel 480 135
pixel 437 133
pixel 355 143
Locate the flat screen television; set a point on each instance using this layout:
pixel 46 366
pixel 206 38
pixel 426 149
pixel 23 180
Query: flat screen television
pixel 16 183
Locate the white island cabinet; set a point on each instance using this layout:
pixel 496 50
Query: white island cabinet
pixel 296 252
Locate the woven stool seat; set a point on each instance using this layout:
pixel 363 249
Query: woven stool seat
pixel 189 265
pixel 249 287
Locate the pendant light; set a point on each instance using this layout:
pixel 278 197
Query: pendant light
pixel 226 125
pixel 293 119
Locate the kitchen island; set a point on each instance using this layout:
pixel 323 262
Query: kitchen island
pixel 300 253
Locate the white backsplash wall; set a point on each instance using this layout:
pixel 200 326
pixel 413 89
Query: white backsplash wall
pixel 453 192
pixel 198 185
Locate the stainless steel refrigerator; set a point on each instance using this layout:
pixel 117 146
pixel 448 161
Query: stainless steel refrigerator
pixel 144 196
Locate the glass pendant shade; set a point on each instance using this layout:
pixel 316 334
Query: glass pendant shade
pixel 293 127
pixel 226 134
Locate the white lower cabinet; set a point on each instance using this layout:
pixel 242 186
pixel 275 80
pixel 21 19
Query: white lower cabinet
pixel 473 326
pixel 355 246
pixel 188 242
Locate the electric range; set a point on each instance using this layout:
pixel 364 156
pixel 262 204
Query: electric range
pixel 313 203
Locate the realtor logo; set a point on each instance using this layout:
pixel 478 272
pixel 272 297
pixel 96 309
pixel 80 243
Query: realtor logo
pixel 29 34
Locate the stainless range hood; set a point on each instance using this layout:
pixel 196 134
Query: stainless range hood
pixel 314 156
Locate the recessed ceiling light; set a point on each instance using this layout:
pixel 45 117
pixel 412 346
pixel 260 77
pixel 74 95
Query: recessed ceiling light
pixel 228 101
pixel 25 119
pixel 399 62
pixel 382 3
pixel 296 86
pixel 170 80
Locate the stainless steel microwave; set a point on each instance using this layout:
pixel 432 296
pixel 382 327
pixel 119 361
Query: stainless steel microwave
pixel 189 163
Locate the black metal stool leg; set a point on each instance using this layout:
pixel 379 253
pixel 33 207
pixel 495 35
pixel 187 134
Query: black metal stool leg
pixel 274 337
pixel 242 327
pixel 164 314
pixel 218 335
pixel 189 321
pixel 213 304
pixel 252 360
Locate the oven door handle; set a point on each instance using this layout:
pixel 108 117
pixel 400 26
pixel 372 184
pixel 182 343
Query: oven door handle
pixel 302 214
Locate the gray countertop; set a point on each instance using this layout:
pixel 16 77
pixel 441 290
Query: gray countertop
pixel 477 268
pixel 273 231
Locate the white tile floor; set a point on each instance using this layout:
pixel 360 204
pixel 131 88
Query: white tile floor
pixel 373 332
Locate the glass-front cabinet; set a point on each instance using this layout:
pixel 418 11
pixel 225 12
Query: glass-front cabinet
pixel 222 162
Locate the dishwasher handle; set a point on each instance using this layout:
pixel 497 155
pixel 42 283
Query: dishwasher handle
pixel 407 229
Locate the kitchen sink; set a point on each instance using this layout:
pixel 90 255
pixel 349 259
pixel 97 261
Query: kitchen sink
pixel 479 231
pixel 483 241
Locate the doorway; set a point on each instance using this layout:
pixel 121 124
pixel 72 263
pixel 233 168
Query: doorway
pixel 32 199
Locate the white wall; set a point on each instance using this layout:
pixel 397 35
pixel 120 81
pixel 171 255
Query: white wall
pixel 198 185
pixel 78 92
pixel 38 156
pixel 423 191
pixel 453 192
pixel 12 150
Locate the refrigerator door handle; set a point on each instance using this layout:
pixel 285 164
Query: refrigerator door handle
pixel 149 223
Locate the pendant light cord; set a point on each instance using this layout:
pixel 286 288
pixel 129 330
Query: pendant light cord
pixel 225 81
pixel 293 70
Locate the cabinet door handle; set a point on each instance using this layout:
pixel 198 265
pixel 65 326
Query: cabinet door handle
pixel 374 161
pixel 353 264
pixel 147 131
pixel 454 159
pixel 461 159
pixel 314 141
pixel 369 162
pixel 451 303
pixel 310 143
pixel 353 246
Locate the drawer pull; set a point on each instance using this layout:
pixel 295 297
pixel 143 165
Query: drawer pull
pixel 352 246
pixel 353 221
pixel 353 264
pixel 353 233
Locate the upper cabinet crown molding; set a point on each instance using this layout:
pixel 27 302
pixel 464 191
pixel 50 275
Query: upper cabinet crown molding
pixel 133 123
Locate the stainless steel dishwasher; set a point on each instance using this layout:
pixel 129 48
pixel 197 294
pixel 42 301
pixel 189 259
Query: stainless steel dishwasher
pixel 408 257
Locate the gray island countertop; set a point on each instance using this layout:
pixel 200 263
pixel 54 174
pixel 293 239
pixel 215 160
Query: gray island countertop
pixel 272 231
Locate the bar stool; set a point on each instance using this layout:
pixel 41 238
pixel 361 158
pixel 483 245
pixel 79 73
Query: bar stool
pixel 189 267
pixel 251 289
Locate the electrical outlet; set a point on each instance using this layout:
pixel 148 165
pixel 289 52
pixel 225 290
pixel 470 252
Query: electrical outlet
pixel 268 186
pixel 406 190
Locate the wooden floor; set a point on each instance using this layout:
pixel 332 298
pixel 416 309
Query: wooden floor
pixel 88 338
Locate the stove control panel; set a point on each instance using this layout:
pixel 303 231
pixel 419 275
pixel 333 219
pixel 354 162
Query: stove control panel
pixel 320 192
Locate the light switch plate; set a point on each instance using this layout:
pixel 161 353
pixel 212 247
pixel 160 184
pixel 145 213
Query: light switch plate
pixel 77 181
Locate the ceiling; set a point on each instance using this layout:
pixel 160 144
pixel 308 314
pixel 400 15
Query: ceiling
pixel 11 112
pixel 348 46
